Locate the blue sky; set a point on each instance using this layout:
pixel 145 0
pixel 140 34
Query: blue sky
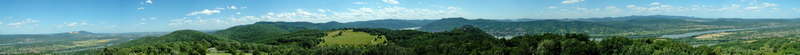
pixel 121 16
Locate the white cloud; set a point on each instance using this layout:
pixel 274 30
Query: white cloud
pixel 238 13
pixel 655 3
pixel 142 19
pixel 149 1
pixel 112 26
pixel 731 7
pixel 72 24
pixel 320 10
pixel 760 6
pixel 140 8
pixel 631 6
pixel 153 18
pixel 611 7
pixel 142 23
pixel 26 21
pixel 570 1
pixel 552 7
pixel 232 7
pixel 206 12
pixel 360 3
pixel 391 1
pixel 1 22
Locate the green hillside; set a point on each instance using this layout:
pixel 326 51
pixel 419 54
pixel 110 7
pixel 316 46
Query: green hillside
pixel 176 36
pixel 773 45
pixel 251 31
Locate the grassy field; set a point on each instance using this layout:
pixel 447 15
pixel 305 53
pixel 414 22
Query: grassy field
pixel 711 36
pixel 349 37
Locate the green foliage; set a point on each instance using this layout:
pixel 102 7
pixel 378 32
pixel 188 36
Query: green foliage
pixel 774 45
pixel 176 36
pixel 252 31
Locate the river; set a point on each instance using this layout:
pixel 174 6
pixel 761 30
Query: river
pixel 692 34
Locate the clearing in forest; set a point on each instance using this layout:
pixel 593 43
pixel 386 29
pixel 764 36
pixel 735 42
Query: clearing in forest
pixel 350 37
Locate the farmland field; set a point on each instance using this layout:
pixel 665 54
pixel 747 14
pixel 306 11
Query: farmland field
pixel 349 37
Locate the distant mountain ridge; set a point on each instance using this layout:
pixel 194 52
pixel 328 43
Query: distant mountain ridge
pixel 77 32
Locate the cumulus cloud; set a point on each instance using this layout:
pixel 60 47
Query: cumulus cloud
pixel 760 6
pixel 320 10
pixel 148 1
pixel 360 3
pixel 140 8
pixel 391 1
pixel 730 7
pixel 26 21
pixel 151 18
pixel 570 1
pixel 73 24
pixel 232 7
pixel 655 3
pixel 552 7
pixel 631 6
pixel 206 12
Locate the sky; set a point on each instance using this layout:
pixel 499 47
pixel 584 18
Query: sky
pixel 123 16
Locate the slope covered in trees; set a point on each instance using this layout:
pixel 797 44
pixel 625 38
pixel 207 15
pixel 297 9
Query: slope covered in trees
pixel 176 36
pixel 248 32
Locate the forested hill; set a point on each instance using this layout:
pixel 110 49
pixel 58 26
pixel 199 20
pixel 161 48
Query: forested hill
pixel 246 32
pixel 176 36
pixel 530 27
pixel 386 23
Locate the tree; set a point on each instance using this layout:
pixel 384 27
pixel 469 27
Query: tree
pixel 614 44
pixel 548 47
